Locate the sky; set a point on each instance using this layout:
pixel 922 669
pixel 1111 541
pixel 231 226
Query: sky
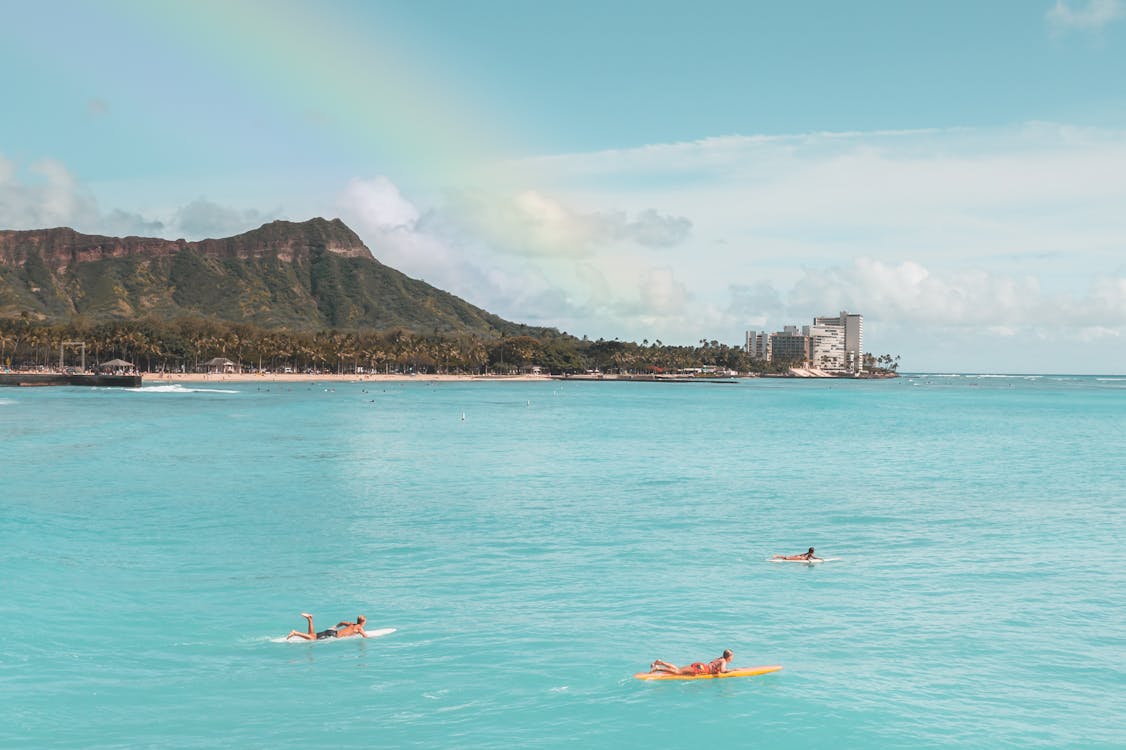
pixel 955 171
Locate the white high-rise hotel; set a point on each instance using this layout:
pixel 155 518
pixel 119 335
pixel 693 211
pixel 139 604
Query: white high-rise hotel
pixel 834 343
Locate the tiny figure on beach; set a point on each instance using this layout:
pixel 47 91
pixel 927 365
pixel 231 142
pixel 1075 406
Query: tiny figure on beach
pixel 715 666
pixel 803 556
pixel 343 629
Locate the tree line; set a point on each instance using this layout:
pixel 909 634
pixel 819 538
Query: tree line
pixel 183 345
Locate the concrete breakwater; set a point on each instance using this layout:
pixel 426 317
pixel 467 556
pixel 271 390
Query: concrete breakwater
pixel 30 379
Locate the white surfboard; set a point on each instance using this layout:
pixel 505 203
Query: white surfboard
pixel 371 634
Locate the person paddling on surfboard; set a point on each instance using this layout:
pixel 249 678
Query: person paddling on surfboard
pixel 803 556
pixel 715 666
pixel 342 630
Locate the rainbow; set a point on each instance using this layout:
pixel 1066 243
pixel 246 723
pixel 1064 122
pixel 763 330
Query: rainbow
pixel 312 66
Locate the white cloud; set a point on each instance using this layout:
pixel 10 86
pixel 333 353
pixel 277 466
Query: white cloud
pixel 202 218
pixel 954 184
pixel 1091 15
pixel 524 254
pixel 1092 334
pixel 377 204
pixel 757 304
pixel 534 223
pixel 46 196
pixel 663 293
pixel 910 294
pixel 1108 300
pixel 118 223
pixel 391 226
pixel 654 229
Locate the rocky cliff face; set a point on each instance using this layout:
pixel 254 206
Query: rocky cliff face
pixel 298 276
pixel 59 249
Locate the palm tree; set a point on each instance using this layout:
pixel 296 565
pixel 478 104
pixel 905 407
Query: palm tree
pixel 5 339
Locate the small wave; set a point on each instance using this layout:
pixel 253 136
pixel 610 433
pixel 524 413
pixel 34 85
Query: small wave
pixel 6 402
pixel 1101 380
pixel 458 707
pixel 175 388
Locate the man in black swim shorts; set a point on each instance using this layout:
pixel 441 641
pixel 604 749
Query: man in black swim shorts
pixel 342 629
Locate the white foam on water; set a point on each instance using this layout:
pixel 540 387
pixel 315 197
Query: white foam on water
pixel 985 375
pixel 177 388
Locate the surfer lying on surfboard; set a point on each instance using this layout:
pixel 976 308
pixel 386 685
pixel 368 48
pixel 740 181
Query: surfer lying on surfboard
pixel 803 556
pixel 342 629
pixel 715 666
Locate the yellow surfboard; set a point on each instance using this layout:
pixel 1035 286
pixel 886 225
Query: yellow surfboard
pixel 741 672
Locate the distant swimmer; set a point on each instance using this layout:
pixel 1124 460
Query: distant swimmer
pixel 804 556
pixel 715 666
pixel 342 630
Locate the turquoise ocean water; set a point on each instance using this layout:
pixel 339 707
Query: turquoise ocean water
pixel 535 544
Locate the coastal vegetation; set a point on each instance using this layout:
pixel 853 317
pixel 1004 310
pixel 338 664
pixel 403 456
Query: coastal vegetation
pixel 184 344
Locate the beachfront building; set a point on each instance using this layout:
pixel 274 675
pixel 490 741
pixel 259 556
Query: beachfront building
pixel 789 345
pixel 758 345
pixel 833 343
pixel 826 347
pixel 853 328
pixel 220 366
pixel 116 367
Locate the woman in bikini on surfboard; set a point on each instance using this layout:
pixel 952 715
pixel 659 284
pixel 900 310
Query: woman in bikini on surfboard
pixel 342 629
pixel 804 556
pixel 715 666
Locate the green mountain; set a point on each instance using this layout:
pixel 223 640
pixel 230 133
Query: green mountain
pixel 303 276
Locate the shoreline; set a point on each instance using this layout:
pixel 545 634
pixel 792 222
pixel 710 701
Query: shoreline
pixel 151 378
pixel 196 377
pixel 234 377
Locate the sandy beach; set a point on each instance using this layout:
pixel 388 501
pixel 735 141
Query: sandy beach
pixel 195 377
